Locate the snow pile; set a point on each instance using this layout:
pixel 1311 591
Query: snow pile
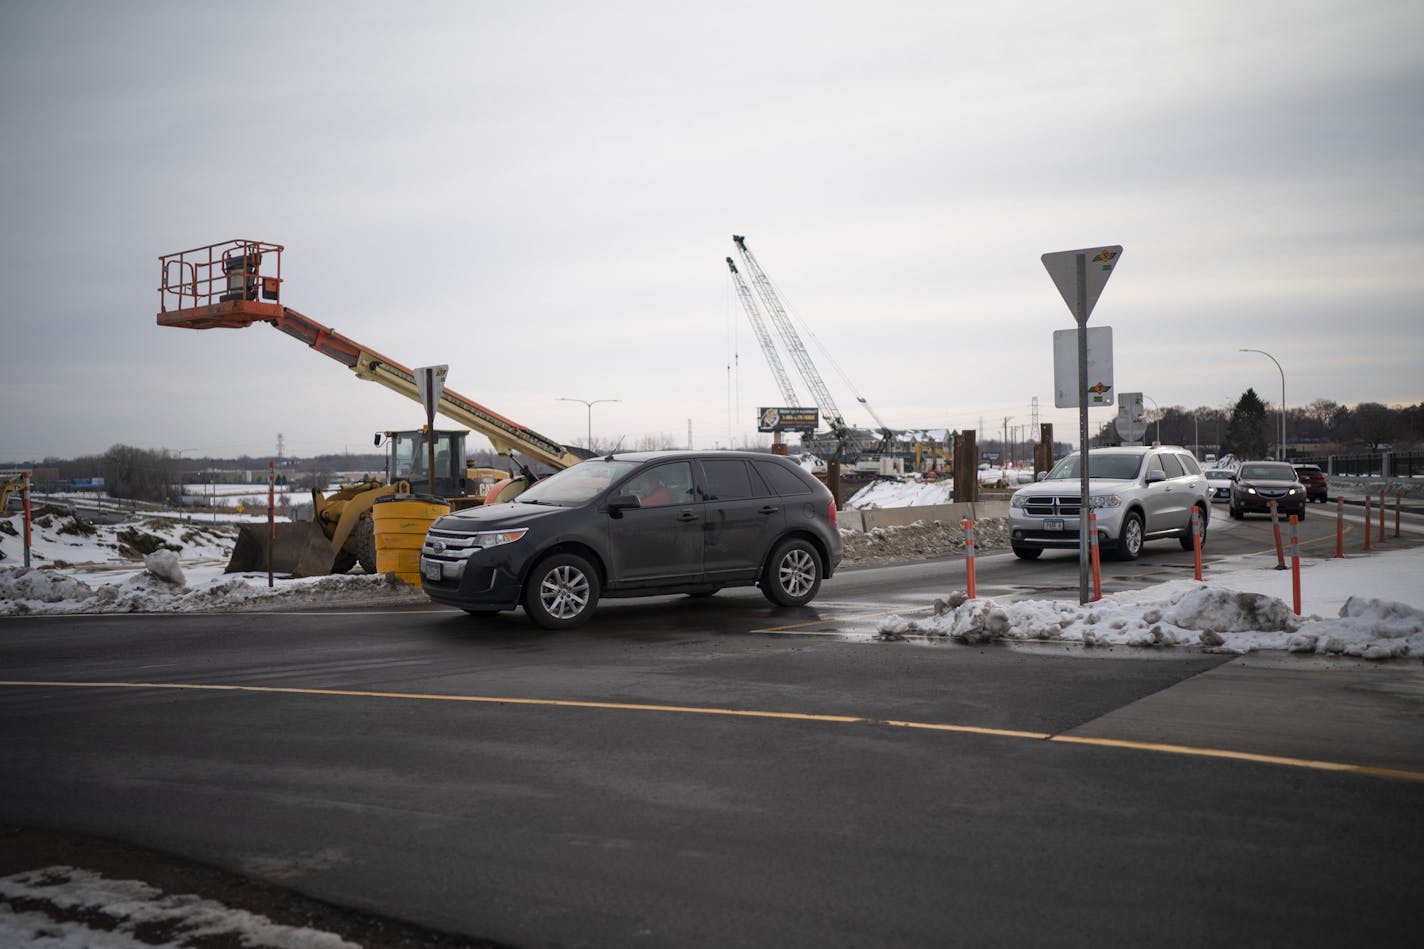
pixel 885 493
pixel 59 538
pixel 1177 613
pixel 922 540
pixel 24 592
pixel 889 492
pixel 158 565
pixel 57 900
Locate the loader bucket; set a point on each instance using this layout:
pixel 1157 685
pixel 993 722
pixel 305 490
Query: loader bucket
pixel 301 550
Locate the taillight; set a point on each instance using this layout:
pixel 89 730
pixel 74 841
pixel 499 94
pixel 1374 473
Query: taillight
pixel 831 512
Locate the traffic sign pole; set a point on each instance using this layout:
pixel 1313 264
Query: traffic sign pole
pixel 1080 313
pixel 1071 274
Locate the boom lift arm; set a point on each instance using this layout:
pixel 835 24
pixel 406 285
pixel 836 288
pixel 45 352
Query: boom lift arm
pixel 218 286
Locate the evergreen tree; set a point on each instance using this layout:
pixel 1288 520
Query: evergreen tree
pixel 1246 432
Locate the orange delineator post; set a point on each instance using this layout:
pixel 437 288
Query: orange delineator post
pixel 969 555
pixel 1295 564
pixel 1096 557
pixel 1340 526
pixel 1276 526
pixel 1367 523
pixel 1196 542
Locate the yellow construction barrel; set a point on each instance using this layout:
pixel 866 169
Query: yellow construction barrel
pixel 401 521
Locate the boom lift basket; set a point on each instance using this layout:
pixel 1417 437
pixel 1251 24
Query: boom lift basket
pixel 228 285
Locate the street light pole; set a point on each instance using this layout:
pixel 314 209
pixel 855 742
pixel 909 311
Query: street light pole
pixel 1282 449
pixel 590 403
pixel 1158 409
pixel 180 480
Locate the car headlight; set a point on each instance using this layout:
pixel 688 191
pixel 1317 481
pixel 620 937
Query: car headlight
pixel 1290 491
pixel 497 538
pixel 1250 490
pixel 1104 500
pixel 1018 500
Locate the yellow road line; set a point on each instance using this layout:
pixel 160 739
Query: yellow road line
pixel 1159 748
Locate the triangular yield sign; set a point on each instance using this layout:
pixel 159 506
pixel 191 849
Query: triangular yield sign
pixel 1099 262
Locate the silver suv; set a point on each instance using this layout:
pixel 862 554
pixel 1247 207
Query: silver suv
pixel 1138 494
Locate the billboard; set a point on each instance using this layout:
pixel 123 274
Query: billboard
pixel 801 420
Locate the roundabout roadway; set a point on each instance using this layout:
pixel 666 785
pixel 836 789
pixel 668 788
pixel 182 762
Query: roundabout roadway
pixel 716 773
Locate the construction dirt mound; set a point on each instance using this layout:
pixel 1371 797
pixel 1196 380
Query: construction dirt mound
pixel 922 540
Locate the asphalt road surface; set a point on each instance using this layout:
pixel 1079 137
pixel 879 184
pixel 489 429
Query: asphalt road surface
pixel 713 772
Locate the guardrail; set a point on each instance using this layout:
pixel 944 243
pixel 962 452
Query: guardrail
pixel 1388 464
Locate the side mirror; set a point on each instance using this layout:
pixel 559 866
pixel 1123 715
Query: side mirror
pixel 1153 477
pixel 1041 476
pixel 623 502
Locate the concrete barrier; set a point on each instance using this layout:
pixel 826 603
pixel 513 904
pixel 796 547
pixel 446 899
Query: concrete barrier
pixel 901 516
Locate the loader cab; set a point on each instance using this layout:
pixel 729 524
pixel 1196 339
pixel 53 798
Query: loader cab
pixel 408 459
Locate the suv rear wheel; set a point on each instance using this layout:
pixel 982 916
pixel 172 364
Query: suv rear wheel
pixel 792 574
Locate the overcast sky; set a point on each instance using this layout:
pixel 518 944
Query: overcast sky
pixel 542 195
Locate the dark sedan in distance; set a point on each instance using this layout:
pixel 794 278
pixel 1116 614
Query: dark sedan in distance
pixel 638 524
pixel 1258 483
pixel 1316 487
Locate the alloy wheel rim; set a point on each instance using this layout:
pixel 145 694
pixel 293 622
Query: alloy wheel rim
pixel 1134 536
pixel 564 592
pixel 797 572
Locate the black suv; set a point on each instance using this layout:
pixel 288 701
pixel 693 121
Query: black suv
pixel 638 524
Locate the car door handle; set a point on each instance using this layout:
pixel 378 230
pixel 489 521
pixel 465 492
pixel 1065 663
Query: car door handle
pixel 768 509
pixel 687 516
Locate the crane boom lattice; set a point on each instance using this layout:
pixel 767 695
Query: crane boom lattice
pixel 790 338
pixel 783 381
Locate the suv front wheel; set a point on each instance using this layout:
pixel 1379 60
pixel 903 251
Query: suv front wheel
pixel 1129 544
pixel 561 592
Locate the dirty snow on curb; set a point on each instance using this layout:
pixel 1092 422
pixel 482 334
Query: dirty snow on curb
pixel 1356 607
pixel 56 898
pixel 159 565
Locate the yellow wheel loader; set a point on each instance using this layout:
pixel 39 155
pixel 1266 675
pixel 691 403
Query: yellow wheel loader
pixel 342 532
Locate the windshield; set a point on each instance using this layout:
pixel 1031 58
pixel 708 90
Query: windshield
pixel 1105 467
pixel 1268 472
pixel 583 482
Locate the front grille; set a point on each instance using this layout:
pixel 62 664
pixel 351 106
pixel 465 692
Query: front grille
pixel 449 546
pixel 1056 505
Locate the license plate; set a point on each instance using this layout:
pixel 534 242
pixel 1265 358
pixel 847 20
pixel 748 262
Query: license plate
pixel 1053 523
pixel 432 571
